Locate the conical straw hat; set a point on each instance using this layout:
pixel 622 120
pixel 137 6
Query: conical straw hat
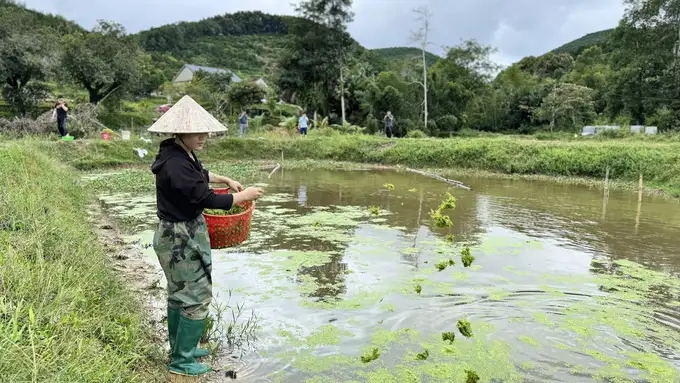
pixel 187 117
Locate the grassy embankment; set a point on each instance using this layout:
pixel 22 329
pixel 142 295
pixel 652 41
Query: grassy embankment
pixel 658 161
pixel 64 315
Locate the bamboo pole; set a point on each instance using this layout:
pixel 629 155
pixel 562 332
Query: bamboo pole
pixel 440 178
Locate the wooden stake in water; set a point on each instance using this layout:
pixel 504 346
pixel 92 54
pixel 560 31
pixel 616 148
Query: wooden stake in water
pixel 641 187
pixel 606 179
pixel 639 206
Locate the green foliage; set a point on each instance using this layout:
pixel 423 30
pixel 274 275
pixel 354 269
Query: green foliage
pixel 416 134
pixel 566 107
pixel 103 61
pixel 423 355
pixel 374 354
pixel 449 337
pixel 392 59
pixel 466 257
pixel 214 82
pixel 577 46
pixel 471 377
pixel 465 328
pixel 66 315
pixel 22 68
pixel 245 93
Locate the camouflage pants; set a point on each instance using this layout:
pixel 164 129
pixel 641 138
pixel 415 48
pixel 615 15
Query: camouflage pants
pixel 183 250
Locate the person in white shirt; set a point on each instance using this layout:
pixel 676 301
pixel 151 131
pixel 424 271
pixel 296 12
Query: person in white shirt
pixel 303 124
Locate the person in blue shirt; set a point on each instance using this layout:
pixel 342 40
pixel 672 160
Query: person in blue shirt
pixel 243 117
pixel 303 124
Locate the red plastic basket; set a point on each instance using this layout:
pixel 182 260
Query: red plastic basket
pixel 229 230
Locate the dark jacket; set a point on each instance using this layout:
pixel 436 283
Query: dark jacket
pixel 182 190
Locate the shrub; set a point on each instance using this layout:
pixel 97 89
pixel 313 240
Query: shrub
pixel 416 134
pixel 448 123
pixel 21 127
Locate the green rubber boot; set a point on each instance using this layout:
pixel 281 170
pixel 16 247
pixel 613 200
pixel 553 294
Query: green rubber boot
pixel 188 334
pixel 173 321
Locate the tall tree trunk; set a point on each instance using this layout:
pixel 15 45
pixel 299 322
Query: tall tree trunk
pixel 425 85
pixel 342 96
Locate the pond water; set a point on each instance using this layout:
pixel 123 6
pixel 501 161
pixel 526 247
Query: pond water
pixel 566 286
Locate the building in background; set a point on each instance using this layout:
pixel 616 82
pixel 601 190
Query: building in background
pixel 186 74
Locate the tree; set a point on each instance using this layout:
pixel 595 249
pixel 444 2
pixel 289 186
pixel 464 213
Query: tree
pixel 214 82
pixel 421 36
pixel 23 65
pixel 459 78
pixel 103 61
pixel 566 102
pixel 245 93
pixel 316 57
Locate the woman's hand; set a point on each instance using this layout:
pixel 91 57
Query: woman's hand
pixel 234 185
pixel 250 194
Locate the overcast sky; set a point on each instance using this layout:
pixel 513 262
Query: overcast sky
pixel 517 28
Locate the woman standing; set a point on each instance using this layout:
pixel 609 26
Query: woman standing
pixel 61 113
pixel 181 241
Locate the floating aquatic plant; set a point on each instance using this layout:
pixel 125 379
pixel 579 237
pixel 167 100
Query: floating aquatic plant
pixel 441 266
pixel 373 355
pixel 448 203
pixel 472 377
pixel 466 257
pixel 389 187
pixel 449 337
pixel 450 238
pixel 440 220
pixel 316 224
pixel 374 210
pixel 419 289
pixel 465 328
pixel 423 355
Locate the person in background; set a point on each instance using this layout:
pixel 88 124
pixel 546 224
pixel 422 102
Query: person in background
pixel 181 240
pixel 61 113
pixel 243 117
pixel 389 121
pixel 303 124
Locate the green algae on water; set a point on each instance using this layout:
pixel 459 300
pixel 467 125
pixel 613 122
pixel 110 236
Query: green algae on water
pixel 450 238
pixel 465 328
pixel 529 340
pixel 371 356
pixel 418 289
pixel 389 187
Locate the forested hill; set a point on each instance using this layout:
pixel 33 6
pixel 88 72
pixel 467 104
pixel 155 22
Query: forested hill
pixel 248 42
pixel 577 46
pixel 16 18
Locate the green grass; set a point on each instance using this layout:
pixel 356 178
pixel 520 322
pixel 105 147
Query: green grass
pixel 65 316
pixel 658 161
